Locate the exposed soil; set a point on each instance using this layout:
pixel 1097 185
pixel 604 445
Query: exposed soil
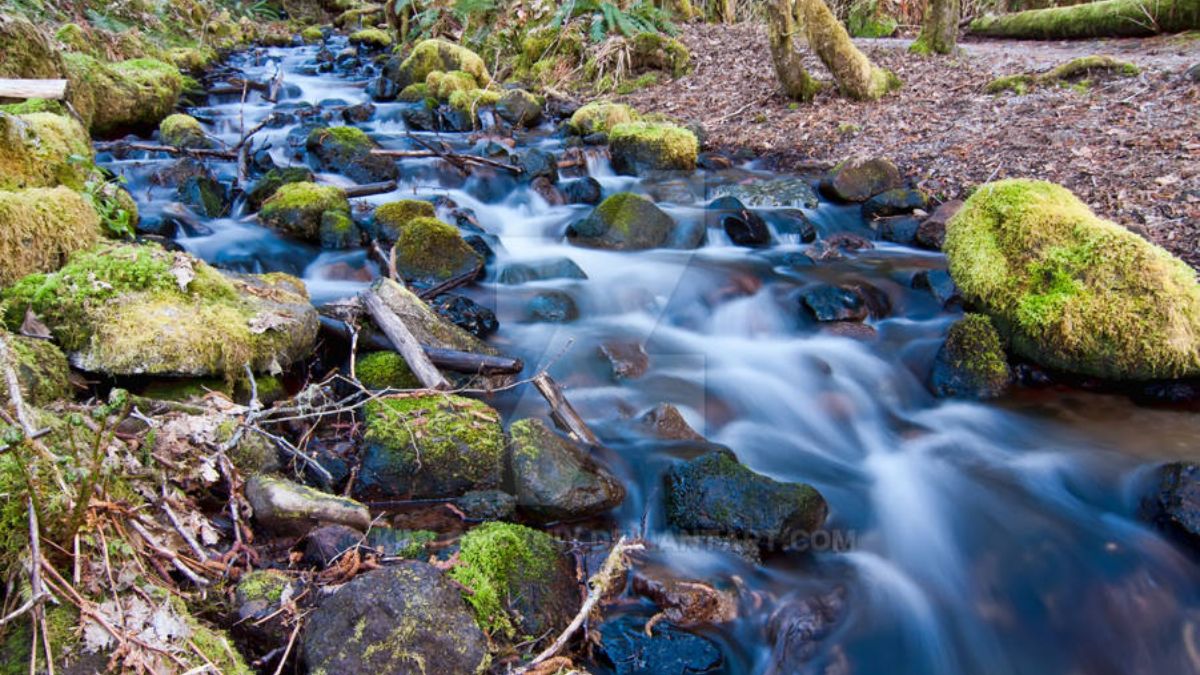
pixel 1129 147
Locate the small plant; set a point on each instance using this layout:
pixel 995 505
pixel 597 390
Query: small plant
pixel 116 217
pixel 605 18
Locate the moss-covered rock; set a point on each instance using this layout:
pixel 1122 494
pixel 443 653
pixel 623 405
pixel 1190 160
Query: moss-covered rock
pixel 41 227
pixel 347 150
pixel 624 221
pixel 444 85
pixel 42 149
pixel 556 479
pixel 131 310
pixel 655 51
pixel 313 35
pixel 392 217
pixel 600 117
pixel 415 93
pixel 638 147
pixel 365 14
pixel 971 362
pixel 1070 290
pixel 265 187
pixel 26 52
pixel 429 250
pixel 521 584
pixel 131 95
pixel 435 55
pixel 860 178
pixel 371 39
pixel 430 446
pixel 306 211
pixel 519 108
pixel 183 131
pixel 41 370
pixel 193 60
pixel 385 370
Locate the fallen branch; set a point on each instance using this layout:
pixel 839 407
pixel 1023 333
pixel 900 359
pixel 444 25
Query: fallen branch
pixel 562 412
pixel 368 189
pixel 199 153
pixel 452 283
pixel 404 341
pixel 455 158
pixel 51 89
pixel 445 359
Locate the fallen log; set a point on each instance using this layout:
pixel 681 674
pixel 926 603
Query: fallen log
pixel 51 89
pixel 404 342
pixel 1107 18
pixel 452 157
pixel 468 363
pixel 198 153
pixel 368 189
pixel 562 412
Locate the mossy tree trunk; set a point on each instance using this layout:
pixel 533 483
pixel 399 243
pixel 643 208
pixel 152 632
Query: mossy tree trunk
pixel 856 76
pixel 1107 18
pixel 939 32
pixel 729 11
pixel 781 28
pixel 683 9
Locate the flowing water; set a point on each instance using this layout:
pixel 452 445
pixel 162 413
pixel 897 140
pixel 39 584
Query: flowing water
pixel 972 538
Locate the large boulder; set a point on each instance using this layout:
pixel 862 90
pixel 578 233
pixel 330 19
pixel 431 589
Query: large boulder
pixel 971 362
pixel 316 213
pixel 600 117
pixel 638 147
pixel 114 98
pixel 555 479
pixel 1072 291
pixel 860 178
pixel 404 618
pixel 624 222
pixel 347 150
pixel 715 494
pixel 43 150
pixel 521 581
pixel 26 52
pixel 41 228
pixel 140 310
pixel 430 56
pixel 429 446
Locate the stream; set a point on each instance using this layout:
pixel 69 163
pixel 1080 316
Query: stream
pixel 963 537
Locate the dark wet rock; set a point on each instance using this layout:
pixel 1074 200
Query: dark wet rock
pixel 715 494
pixel 713 161
pixel 940 284
pixel 399 619
pixel 266 186
pixel 897 229
pixel 420 116
pixel 541 270
pixel 684 602
pixel 466 314
pixel 931 234
pixel 833 303
pixel 393 543
pixel 347 150
pixel 487 505
pixel 556 479
pixel 258 597
pixel 519 108
pixel 669 187
pixel 772 193
pixel 743 226
pixel 791 221
pixel 797 629
pixel 585 190
pixel 290 508
pixel 545 189
pixel 666 422
pixel 859 179
pixel 627 649
pixel 357 114
pixel 1173 502
pixel 597 138
pixel 837 245
pixel 205 195
pixel 1170 393
pixel 627 358
pixel 335 457
pixel 535 163
pixel 552 307
pixel 1031 376
pixel 624 221
pixel 163 226
pixel 479 243
pixel 971 363
pixel 324 545
pixel 894 203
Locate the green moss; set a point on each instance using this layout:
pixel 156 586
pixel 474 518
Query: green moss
pixel 313 35
pixel 600 117
pixel 183 131
pixel 351 138
pixel 1107 18
pixel 41 369
pixel 1018 84
pixel 41 227
pixel 1070 71
pixel 390 218
pixel 26 52
pixel 265 187
pixel 32 105
pixel 444 85
pixel 978 350
pixel 262 586
pixel 495 561
pixel 192 59
pixel 630 86
pixel 439 55
pixel 73 37
pixel 428 248
pixel 298 208
pixel 61 622
pixel 42 149
pixel 1072 291
pixel 653 146
pixel 128 95
pixel 385 370
pixel 372 38
pixel 415 93
pixel 866 21
pixel 654 51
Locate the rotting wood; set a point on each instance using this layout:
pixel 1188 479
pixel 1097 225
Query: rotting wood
pixel 404 341
pixel 50 89
pixel 562 412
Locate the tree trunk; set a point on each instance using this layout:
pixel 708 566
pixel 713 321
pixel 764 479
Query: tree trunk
pixel 729 11
pixel 1107 18
pixel 856 76
pixel 939 33
pixel 781 28
pixel 683 9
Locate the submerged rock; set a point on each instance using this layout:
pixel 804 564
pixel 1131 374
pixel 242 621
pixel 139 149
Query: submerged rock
pixel 624 222
pixel 40 228
pixel 771 193
pixel 555 479
pixel 715 494
pixel 859 179
pixel 347 150
pixel 429 446
pixel 541 270
pixel 585 190
pixel 666 422
pixel 798 627
pixel 1072 291
pixel 940 284
pixel 638 147
pixel 627 358
pixel 971 362
pixel 399 619
pixel 290 508
pixel 1173 502
pixel 833 303
pixel 552 307
pixel 626 647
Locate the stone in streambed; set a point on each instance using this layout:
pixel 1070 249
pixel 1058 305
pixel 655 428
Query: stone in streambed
pixel 519 108
pixel 272 180
pixel 624 222
pixel 311 212
pixel 552 307
pixel 664 421
pixel 1173 502
pixel 940 284
pixel 183 131
pixel 771 193
pixel 715 494
pixel 541 270
pixel 798 626
pixel 391 218
pixel 347 150
pixel 639 147
pixel 556 479
pixel 971 362
pixel 585 190
pixel 403 618
pixel 893 202
pixel 859 179
pixel 897 229
pixel 743 226
pixel 627 649
pixel 931 233
pixel 286 507
pixel 600 117
pixel 431 56
pixel 428 251
pixel 833 303
pixel 467 314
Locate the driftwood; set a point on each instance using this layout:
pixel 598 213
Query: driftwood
pixel 368 189
pixel 457 159
pixel 447 359
pixel 198 153
pixel 404 341
pixel 562 412
pixel 51 89
pixel 386 259
pixel 452 283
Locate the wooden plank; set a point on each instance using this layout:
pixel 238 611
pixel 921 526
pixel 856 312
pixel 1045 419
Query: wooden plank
pixel 51 89
pixel 404 341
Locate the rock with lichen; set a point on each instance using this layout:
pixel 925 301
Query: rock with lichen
pixel 971 362
pixel 26 52
pixel 140 310
pixel 629 222
pixel 1071 291
pixel 371 39
pixel 272 180
pixel 283 506
pixel 556 479
pixel 40 228
pixel 347 150
pixel 316 213
pixel 639 147
pixel 860 178
pixel 655 51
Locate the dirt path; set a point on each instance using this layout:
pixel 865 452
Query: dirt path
pixel 1129 147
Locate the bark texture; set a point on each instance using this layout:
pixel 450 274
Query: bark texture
pixel 939 33
pixel 781 28
pixel 856 76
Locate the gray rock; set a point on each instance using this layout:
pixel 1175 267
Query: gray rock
pixel 290 508
pixel 859 179
pixel 931 233
pixel 555 479
pixel 541 270
pixel 775 192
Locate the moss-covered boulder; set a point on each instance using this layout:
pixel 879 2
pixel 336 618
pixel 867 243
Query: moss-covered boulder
pixel 43 149
pixel 430 446
pixel 134 310
pixel 41 370
pixel 347 150
pixel 1070 290
pixel 316 213
pixel 371 39
pixel 290 508
pixel 443 85
pixel 638 147
pixel 404 618
pixel 41 227
pixel 391 218
pixel 26 52
pixel 312 35
pixel 860 178
pixel 655 51
pixel 428 250
pixel 555 479
pixel 520 582
pixel 971 362
pixel 600 117
pixel 519 108
pixel 624 222
pixel 465 107
pixel 265 186
pixel 385 370
pixel 435 55
pixel 415 93
pixel 114 98
pixel 183 131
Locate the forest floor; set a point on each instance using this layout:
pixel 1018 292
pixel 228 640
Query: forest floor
pixel 1129 147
